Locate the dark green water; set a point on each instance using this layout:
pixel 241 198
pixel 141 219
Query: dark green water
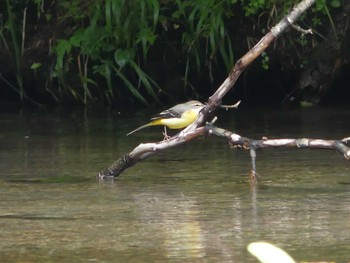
pixel 189 204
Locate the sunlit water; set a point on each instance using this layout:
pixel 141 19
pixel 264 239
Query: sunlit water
pixel 189 204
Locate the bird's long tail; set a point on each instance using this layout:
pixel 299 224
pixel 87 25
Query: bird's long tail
pixel 139 128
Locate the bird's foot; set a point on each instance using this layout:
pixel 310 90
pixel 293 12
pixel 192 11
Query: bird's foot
pixel 166 136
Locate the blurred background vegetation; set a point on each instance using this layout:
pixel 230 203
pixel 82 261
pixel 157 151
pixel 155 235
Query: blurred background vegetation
pixel 127 52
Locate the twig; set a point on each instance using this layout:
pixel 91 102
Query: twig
pixel 234 106
pixel 303 31
pixel 346 140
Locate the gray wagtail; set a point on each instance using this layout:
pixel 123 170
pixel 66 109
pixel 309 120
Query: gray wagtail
pixel 177 117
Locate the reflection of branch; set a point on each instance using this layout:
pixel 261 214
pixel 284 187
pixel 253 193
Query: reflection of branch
pixel 145 150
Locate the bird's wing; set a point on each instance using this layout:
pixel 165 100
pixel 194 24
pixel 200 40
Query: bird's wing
pixel 166 115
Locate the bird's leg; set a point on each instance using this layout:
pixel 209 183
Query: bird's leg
pixel 166 136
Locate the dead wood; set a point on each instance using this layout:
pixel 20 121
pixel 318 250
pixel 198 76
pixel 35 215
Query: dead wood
pixel 197 129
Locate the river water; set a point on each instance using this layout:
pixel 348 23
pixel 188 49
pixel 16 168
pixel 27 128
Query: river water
pixel 189 204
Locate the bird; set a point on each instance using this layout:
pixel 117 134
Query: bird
pixel 177 117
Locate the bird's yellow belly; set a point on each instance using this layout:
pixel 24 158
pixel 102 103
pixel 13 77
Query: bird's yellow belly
pixel 186 119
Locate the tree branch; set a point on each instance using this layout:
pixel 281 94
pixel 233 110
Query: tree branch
pixel 148 149
pixel 237 141
pixel 145 150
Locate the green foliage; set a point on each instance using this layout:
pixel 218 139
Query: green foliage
pixel 205 36
pixel 253 7
pixel 113 43
pixel 35 65
pixel 116 41
pixel 103 50
pixel 14 47
pixel 265 61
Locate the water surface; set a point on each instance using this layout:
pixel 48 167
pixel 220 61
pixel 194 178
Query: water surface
pixel 189 204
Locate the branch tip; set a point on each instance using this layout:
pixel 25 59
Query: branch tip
pixel 303 31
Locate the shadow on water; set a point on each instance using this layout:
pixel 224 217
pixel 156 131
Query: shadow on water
pixel 193 203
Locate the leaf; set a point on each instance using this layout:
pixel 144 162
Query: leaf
pixel 77 38
pixel 156 9
pixel 124 56
pixel 35 65
pixel 63 47
pixel 145 79
pixel 335 3
pixel 130 86
pixel 320 4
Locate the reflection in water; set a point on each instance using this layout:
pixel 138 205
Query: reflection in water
pixel 177 222
pixel 190 204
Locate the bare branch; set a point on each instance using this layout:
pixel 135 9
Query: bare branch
pixel 145 150
pixel 303 31
pixel 234 106
pixel 346 140
pixel 236 141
